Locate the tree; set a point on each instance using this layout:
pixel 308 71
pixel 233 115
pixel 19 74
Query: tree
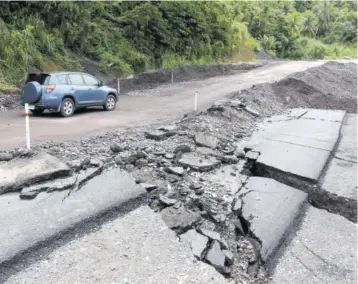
pixel 323 10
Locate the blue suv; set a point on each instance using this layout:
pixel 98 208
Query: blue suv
pixel 64 92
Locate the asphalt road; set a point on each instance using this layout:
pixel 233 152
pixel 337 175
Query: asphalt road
pixel 147 106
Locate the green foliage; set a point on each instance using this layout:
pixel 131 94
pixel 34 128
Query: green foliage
pixel 129 37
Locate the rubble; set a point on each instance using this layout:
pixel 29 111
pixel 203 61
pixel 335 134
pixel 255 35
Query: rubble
pixel 180 219
pixel 197 162
pixel 206 140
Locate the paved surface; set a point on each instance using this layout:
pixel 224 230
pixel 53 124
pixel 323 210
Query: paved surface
pixel 298 147
pixel 151 105
pixel 270 208
pixel 25 223
pixel 324 251
pixel 136 249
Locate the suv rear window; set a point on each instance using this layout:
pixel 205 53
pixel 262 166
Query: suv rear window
pixel 40 78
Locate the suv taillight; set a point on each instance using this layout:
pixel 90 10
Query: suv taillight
pixel 50 88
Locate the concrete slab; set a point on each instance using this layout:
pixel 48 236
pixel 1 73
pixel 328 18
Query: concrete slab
pixel 270 208
pixel 20 172
pixel 347 148
pixel 295 160
pixel 324 250
pixel 341 179
pixel 136 249
pixel 26 223
pixel 296 112
pixel 325 114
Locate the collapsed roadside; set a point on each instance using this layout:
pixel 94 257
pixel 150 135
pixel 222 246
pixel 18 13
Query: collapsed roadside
pixel 195 166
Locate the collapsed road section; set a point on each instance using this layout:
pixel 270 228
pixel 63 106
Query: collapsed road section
pixel 295 149
pixel 235 222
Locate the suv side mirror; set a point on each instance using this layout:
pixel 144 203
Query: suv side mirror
pixel 100 83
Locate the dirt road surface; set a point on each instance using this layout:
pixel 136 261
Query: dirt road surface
pixel 147 106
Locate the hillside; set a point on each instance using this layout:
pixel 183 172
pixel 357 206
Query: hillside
pixel 122 38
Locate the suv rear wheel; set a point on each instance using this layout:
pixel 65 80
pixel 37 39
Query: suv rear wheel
pixel 111 102
pixel 67 107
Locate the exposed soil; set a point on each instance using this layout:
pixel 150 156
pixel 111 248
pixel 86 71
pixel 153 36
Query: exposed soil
pixel 330 86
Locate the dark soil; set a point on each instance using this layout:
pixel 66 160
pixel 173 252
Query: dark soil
pixel 330 86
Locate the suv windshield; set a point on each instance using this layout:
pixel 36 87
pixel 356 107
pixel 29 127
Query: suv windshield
pixel 38 77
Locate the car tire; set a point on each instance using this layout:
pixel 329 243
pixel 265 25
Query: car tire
pixel 37 112
pixel 67 107
pixel 111 102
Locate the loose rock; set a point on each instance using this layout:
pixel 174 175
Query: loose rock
pixel 229 257
pixel 182 148
pixel 252 111
pixel 148 186
pixel 116 148
pixel 5 157
pixel 158 135
pixel 166 200
pixel 206 140
pixel 180 219
pixel 197 162
pixel 179 171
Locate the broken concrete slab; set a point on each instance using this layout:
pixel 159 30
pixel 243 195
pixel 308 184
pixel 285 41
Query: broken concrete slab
pixel 296 112
pixel 79 164
pixel 197 242
pixel 252 111
pixel 179 171
pixel 180 219
pixel 166 200
pixel 252 155
pixel 49 186
pixel 270 209
pixel 197 162
pixel 214 236
pixel 148 186
pixel 137 248
pixel 324 250
pixel 21 172
pixel 290 163
pixel 43 218
pixel 206 151
pixel 158 135
pixel 168 128
pixel 206 140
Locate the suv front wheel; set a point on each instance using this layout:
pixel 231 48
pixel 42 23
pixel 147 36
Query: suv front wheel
pixel 67 107
pixel 111 102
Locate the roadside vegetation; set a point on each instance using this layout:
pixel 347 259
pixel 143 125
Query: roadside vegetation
pixel 129 37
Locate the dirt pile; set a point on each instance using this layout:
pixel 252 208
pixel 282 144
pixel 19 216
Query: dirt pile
pixel 152 79
pixel 332 85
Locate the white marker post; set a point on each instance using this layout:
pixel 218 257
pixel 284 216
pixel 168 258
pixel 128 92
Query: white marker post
pixel 118 86
pixel 27 123
pixel 196 101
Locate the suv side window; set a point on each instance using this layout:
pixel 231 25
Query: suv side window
pixel 90 81
pixel 76 79
pixel 62 79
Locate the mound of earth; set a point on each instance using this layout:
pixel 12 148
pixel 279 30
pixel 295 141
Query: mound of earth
pixel 332 85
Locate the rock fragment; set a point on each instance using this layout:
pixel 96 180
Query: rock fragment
pixel 158 135
pixel 180 219
pixel 206 140
pixel 216 257
pixel 196 241
pixel 179 171
pixel 5 157
pixel 197 162
pixel 184 148
pixel 166 200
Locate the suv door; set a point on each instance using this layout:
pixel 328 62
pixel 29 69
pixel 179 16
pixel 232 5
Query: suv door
pixel 96 94
pixel 79 89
